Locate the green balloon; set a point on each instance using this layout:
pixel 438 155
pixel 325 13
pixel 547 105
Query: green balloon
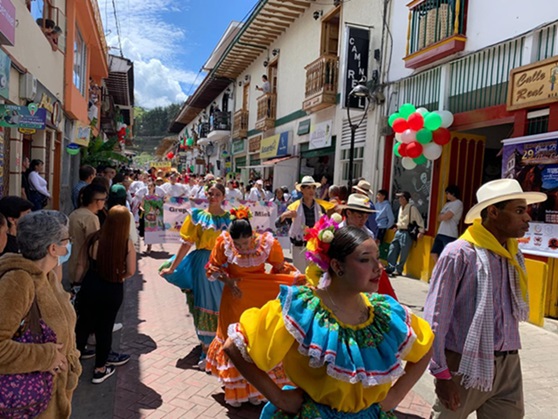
pixel 396 149
pixel 392 118
pixel 406 109
pixel 420 159
pixel 190 142
pixel 432 121
pixel 424 136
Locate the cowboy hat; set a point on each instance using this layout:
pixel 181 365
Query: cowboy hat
pixel 501 190
pixel 358 202
pixel 363 187
pixel 307 181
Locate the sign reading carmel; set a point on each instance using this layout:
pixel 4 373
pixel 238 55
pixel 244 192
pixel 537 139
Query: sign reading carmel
pixel 533 85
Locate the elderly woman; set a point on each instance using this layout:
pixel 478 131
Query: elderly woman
pixel 32 295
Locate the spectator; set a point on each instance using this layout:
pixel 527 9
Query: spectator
pixel 24 180
pixel 86 175
pixel 323 191
pixel 384 214
pixel 173 189
pixel 118 196
pixel 109 173
pixel 232 192
pixel 356 212
pixel 13 208
pixel 112 259
pixel 257 193
pixel 449 219
pixel 363 187
pixel 38 190
pixel 401 243
pixel 266 87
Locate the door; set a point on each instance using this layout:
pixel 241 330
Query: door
pixel 245 96
pixel 330 33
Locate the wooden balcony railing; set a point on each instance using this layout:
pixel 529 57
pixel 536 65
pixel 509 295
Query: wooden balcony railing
pixel 321 83
pixel 266 111
pixel 240 128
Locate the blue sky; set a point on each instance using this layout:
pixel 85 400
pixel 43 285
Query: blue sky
pixel 168 41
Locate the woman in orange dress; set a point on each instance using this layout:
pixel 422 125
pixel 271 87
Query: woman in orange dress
pixel 238 259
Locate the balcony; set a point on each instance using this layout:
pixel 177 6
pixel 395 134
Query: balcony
pixel 267 107
pixel 240 124
pixel 321 83
pixel 219 126
pixel 436 30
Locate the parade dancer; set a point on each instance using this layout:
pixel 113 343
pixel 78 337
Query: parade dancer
pixel 238 260
pixel 200 229
pixel 342 346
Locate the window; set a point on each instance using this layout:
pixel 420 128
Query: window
pixel 537 121
pixel 357 162
pixel 36 8
pixel 80 57
pixel 51 21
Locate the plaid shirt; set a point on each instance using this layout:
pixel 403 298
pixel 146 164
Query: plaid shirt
pixel 451 302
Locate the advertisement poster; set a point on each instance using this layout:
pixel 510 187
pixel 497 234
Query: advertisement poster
pixel 533 161
pixel 30 116
pixel 154 222
pixel 176 209
pixel 320 136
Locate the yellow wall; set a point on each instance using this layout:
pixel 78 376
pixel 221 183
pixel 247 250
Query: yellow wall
pixel 537 273
pixel 551 301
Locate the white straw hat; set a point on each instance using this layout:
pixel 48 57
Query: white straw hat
pixel 364 188
pixel 501 190
pixel 307 181
pixel 358 202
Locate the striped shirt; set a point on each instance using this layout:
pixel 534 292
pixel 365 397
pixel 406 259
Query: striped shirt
pixel 451 302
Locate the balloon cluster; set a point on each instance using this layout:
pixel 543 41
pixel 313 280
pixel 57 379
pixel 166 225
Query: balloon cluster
pixel 170 155
pixel 419 134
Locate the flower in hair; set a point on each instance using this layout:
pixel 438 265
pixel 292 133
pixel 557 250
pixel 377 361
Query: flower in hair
pixel 240 213
pixel 318 239
pixel 209 185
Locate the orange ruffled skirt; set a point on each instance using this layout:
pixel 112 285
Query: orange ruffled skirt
pixel 257 289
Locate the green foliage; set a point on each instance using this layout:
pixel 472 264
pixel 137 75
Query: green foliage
pixel 102 153
pixel 154 122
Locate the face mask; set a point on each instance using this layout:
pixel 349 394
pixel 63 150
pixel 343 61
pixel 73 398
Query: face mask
pixel 66 257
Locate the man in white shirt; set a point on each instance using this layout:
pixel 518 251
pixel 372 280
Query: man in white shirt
pixel 449 219
pixel 232 191
pixel 173 189
pixel 257 193
pixel 138 184
pixel 266 87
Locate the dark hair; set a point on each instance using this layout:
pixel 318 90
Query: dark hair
pixel 86 171
pixel 34 163
pixel 384 193
pixel 404 194
pixel 118 178
pixel 345 241
pixel 88 193
pixel 3 221
pixel 264 77
pixel 240 228
pixel 500 205
pixel 454 190
pixel 101 180
pixel 213 184
pixel 13 206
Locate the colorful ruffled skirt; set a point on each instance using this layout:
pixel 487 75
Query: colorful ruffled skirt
pixel 257 289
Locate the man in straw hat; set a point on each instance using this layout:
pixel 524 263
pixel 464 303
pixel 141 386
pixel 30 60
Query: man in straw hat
pixel 363 187
pixel 303 216
pixel 477 296
pixel 356 212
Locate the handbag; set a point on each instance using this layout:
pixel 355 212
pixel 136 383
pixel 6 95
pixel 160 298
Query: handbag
pixel 27 395
pixel 413 229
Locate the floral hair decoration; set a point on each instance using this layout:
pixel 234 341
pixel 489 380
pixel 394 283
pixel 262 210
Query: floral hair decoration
pixel 319 238
pixel 208 186
pixel 240 213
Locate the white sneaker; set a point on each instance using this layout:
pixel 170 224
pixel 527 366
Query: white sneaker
pixel 116 327
pixel 234 403
pixel 201 365
pixel 255 401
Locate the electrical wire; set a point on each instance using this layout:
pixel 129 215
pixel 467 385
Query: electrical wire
pixel 117 24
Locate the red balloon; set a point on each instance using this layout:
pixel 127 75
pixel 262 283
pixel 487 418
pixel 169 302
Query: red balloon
pixel 441 136
pixel 170 154
pixel 414 149
pixel 416 121
pixel 402 149
pixel 400 125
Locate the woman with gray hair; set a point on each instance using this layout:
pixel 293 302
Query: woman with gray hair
pixel 38 355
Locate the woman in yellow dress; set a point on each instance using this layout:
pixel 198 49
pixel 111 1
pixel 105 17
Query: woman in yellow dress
pixel 201 229
pixel 342 346
pixel 238 260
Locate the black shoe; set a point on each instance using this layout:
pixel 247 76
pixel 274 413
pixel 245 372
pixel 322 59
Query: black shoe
pixel 117 359
pixel 99 377
pixel 87 354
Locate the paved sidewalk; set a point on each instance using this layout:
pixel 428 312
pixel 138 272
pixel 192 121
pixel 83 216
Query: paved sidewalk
pixel 160 380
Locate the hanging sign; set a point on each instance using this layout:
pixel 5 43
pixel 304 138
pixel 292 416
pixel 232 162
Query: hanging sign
pixel 533 85
pixel 27 131
pixel 30 116
pixel 82 134
pixel 320 136
pixel 5 65
pixel 358 44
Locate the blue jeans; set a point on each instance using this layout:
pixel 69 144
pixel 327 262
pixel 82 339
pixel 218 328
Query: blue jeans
pixel 399 248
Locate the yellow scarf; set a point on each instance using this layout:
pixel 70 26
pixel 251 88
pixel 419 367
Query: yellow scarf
pixel 478 235
pixel 326 204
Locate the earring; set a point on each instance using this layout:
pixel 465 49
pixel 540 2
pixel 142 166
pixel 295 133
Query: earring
pixel 340 273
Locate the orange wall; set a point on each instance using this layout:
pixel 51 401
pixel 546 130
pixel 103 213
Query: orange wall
pixel 80 13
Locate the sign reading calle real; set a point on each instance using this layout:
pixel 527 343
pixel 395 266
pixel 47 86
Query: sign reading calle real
pixel 358 44
pixel 533 85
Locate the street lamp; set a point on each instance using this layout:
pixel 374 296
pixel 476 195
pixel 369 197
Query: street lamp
pixel 359 91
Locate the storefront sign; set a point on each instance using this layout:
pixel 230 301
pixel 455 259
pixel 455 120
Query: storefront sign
pixel 533 85
pixel 320 136
pixel 30 116
pixel 27 131
pixel 5 64
pixel 275 146
pixel 161 165
pixel 303 127
pixel 533 161
pixel 7 22
pixel 82 134
pixel 238 146
pixel 358 44
pixel 254 144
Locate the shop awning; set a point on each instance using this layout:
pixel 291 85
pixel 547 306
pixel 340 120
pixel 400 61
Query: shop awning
pixel 273 162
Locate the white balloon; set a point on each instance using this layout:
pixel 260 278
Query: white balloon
pixel 408 163
pixel 422 111
pixel 398 137
pixel 409 136
pixel 447 118
pixel 432 151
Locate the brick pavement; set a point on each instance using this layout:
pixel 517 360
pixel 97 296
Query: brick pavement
pixel 160 380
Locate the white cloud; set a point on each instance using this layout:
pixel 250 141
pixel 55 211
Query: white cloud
pixel 152 43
